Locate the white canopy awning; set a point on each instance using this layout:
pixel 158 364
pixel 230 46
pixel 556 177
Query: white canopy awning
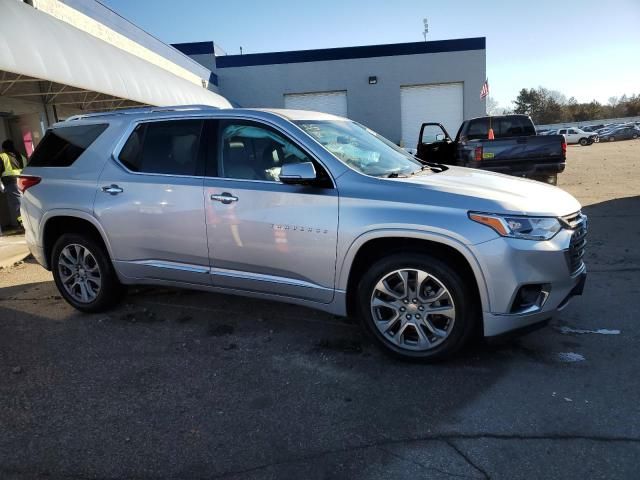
pixel 35 46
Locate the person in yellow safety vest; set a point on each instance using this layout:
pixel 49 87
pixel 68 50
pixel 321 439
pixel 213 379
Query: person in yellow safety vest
pixel 12 164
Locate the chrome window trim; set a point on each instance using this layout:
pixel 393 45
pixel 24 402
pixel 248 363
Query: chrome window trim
pixel 222 115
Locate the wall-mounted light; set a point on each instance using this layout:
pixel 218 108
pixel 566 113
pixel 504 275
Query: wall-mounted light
pixel 373 80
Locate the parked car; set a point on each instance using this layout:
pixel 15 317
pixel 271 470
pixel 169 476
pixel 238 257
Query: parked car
pixel 575 135
pixel 299 207
pixel 622 133
pixel 516 149
pixel 604 130
pixel 592 128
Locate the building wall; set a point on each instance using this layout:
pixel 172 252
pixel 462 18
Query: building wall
pixel 377 106
pixel 204 53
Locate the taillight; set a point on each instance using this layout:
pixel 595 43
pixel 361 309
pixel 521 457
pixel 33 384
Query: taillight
pixel 27 181
pixel 564 149
pixel 478 154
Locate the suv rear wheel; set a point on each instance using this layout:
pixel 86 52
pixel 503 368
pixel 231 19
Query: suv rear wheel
pixel 83 273
pixel 416 306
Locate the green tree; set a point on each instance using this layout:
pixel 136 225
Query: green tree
pixel 550 106
pixel 527 102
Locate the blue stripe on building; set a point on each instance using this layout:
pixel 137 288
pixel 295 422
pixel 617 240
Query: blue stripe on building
pixel 195 48
pixel 390 50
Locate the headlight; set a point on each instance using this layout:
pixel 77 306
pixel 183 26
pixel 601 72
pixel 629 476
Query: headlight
pixel 526 228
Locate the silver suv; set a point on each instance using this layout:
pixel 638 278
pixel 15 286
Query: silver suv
pixel 299 207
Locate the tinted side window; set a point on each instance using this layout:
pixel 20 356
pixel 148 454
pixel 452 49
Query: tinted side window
pixel 170 147
pixel 62 146
pixel 513 127
pixel 250 151
pixel 478 129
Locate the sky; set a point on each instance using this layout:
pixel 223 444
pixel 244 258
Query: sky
pixel 586 49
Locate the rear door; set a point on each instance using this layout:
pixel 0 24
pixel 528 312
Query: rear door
pixel 150 202
pixel 265 236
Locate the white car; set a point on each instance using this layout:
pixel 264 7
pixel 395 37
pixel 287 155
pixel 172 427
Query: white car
pixel 575 135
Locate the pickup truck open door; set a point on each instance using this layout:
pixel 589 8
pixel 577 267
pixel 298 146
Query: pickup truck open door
pixel 435 145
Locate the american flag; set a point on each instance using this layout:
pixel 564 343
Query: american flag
pixel 484 92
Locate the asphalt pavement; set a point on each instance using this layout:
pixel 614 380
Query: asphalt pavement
pixel 187 385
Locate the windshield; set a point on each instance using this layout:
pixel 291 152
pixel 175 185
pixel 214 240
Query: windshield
pixel 361 148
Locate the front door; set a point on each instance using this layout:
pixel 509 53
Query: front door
pixel 150 203
pixel 265 236
pixel 435 144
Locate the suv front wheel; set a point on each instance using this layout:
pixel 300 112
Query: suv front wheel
pixel 416 306
pixel 84 274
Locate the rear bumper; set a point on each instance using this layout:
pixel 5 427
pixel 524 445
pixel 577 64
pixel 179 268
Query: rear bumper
pixel 37 252
pixel 30 236
pixel 527 170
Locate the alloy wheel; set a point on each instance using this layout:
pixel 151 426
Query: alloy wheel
pixel 79 273
pixel 413 309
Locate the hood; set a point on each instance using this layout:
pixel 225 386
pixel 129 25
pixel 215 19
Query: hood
pixel 497 193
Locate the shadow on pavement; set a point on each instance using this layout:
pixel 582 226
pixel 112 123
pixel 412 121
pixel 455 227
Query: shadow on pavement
pixel 184 384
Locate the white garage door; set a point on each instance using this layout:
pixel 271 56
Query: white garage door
pixel 326 102
pixel 440 103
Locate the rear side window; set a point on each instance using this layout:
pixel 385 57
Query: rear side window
pixel 169 147
pixel 513 127
pixel 478 129
pixel 62 146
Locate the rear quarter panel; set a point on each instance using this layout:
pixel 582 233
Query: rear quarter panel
pixel 64 190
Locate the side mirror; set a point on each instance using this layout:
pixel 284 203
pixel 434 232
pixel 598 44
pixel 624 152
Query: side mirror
pixel 439 137
pixel 298 173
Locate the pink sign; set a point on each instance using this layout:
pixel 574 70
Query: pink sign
pixel 27 140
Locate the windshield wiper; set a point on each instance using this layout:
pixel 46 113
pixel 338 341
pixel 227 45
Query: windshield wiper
pixel 396 175
pixel 434 167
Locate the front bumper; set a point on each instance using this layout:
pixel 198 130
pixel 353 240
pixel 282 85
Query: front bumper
pixel 499 324
pixel 509 264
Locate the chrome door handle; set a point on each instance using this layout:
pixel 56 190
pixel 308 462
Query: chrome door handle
pixel 224 197
pixel 112 189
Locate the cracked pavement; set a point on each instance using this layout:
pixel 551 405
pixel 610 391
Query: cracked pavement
pixel 186 385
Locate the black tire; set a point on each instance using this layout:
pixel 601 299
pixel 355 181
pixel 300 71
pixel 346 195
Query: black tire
pixel 550 179
pixel 634 136
pixel 466 308
pixel 611 139
pixel 110 291
pixel 584 142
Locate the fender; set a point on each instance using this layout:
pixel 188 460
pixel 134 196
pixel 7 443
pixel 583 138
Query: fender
pixel 69 212
pixel 464 250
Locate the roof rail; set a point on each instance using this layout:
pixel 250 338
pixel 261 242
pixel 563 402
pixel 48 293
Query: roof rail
pixel 136 110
